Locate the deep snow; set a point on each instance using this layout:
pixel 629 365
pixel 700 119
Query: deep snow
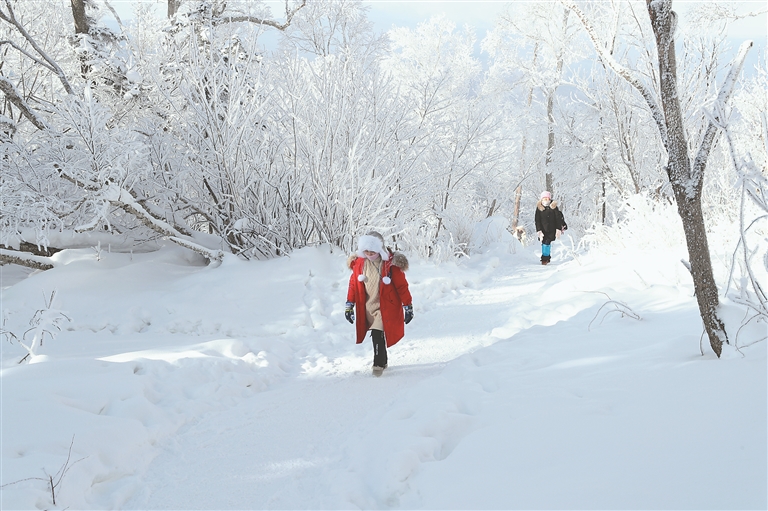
pixel 517 386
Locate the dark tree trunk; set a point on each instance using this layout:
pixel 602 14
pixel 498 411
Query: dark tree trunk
pixel 82 26
pixel 602 198
pixel 687 186
pixel 173 6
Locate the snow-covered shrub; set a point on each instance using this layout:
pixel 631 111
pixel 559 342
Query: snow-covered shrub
pixel 639 222
pixel 45 321
pixel 493 232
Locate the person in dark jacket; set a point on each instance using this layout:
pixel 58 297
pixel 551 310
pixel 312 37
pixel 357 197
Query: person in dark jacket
pixel 550 224
pixel 378 292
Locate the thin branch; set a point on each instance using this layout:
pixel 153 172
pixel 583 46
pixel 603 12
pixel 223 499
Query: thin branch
pixel 630 76
pixel 26 53
pixel 620 307
pixel 716 121
pixel 10 18
pixel 114 13
pixel 259 21
pixel 12 95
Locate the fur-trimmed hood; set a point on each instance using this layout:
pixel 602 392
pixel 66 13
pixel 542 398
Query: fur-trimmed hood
pixel 398 259
pixel 552 205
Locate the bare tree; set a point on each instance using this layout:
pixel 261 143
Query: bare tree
pixel 685 176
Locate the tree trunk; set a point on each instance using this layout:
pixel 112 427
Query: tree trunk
pixel 81 20
pixel 173 6
pixel 686 181
pixel 551 114
pixel 602 198
pixel 704 284
pixel 516 214
pixel 82 28
pixel 550 139
pixel 686 186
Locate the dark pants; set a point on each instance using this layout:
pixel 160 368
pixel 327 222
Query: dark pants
pixel 379 348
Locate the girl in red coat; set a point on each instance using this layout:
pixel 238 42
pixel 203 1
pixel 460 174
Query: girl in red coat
pixel 379 292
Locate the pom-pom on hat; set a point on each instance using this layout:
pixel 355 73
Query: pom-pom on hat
pixel 372 242
pixel 546 195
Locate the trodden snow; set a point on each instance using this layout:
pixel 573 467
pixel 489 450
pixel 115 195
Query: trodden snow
pixel 577 385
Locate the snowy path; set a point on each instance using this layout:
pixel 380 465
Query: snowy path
pixel 290 446
pixel 283 449
pixel 200 390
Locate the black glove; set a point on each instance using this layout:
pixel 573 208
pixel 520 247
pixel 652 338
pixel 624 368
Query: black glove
pixel 349 312
pixel 408 311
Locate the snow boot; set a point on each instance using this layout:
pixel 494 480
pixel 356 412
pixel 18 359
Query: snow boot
pixel 377 370
pixel 545 260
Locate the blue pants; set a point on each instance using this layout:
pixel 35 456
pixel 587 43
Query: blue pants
pixel 545 249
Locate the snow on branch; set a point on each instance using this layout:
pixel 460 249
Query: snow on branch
pixel 259 21
pixel 630 76
pixel 124 200
pixel 25 259
pixel 13 96
pixel 26 53
pixel 716 119
pixel 10 18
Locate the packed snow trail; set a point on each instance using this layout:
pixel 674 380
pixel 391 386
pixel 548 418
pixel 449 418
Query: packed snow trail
pixel 335 437
pixel 291 446
pixel 516 386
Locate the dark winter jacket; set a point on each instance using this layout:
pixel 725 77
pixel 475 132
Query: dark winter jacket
pixel 549 220
pixel 393 294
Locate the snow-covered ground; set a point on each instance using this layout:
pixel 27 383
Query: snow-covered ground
pixel 181 386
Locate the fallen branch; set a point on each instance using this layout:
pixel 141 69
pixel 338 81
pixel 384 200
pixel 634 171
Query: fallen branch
pixel 25 259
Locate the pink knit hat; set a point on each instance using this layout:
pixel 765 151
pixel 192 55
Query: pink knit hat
pixel 546 195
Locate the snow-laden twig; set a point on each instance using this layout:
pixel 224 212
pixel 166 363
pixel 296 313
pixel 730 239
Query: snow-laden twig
pixel 629 75
pixel 751 294
pixel 10 17
pixel 44 321
pixel 618 306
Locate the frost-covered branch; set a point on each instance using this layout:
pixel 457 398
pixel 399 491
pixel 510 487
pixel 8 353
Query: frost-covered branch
pixel 147 215
pixel 716 121
pixel 25 259
pixel 27 54
pixel 260 21
pixel 630 76
pixel 10 18
pixel 12 95
pixel 124 200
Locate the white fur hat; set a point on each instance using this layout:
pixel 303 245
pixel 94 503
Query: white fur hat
pixel 372 242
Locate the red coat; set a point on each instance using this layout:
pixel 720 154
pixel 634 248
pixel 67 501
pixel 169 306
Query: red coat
pixel 392 297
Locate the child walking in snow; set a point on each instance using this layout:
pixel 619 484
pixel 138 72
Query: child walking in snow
pixel 379 292
pixel 550 224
